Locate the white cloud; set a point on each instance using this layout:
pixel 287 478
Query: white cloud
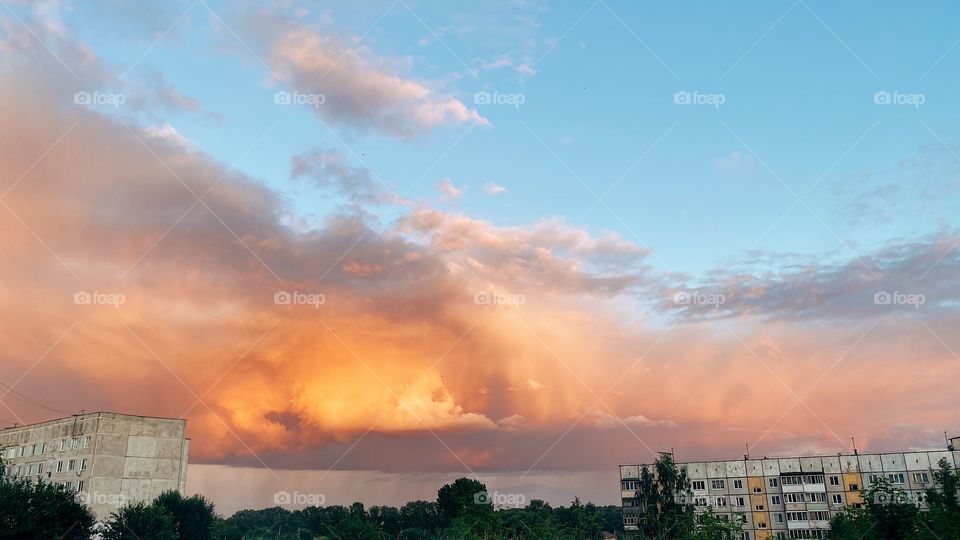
pixel 448 190
pixel 492 188
pixel 359 88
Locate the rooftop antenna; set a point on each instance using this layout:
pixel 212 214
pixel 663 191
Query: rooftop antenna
pixel 747 455
pixel 854 446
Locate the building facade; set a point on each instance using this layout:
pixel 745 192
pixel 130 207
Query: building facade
pixel 792 497
pixel 107 459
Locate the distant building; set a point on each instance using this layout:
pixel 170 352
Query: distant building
pixel 792 497
pixel 108 459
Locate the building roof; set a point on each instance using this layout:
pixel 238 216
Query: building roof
pixel 101 414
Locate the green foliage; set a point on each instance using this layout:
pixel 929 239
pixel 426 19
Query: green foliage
pixel 468 514
pixel 465 498
pixel 39 510
pixel 712 527
pixel 193 517
pixel 887 514
pixel 662 494
pixel 140 521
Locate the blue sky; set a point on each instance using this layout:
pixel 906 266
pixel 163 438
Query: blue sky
pixel 797 80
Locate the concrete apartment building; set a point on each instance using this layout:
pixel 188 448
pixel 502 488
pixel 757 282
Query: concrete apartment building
pixel 793 497
pixel 108 459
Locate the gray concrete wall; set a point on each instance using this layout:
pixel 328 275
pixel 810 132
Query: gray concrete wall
pixel 129 458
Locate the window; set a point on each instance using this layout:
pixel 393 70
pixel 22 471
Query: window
pixel 792 480
pixel 720 501
pixel 778 518
pixel 60 466
pixel 895 478
pixel 762 525
pixel 64 444
pixel 820 516
pixel 80 486
pixel 718 484
pixel 741 501
pixel 797 516
pixel 757 490
pixel 854 487
pixel 813 479
pixel 817 497
pixel 836 498
pixel 700 501
pixel 775 499
pixel 794 498
pixel 738 484
pixel 38 448
pixel 629 485
pixel 773 482
pixel 83 464
pixel 72 465
pixel 758 508
pixel 699 484
pixel 873 478
pixel 921 477
pixel 834 480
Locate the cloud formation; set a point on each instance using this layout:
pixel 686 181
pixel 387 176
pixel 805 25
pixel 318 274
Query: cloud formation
pixel 360 90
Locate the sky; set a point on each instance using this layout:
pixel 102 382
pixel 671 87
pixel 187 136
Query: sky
pixel 365 249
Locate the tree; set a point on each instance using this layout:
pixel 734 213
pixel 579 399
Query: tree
pixel 942 519
pixel 41 510
pixel 663 498
pixel 140 521
pixel 464 496
pixel 713 527
pixel 419 518
pixel 193 517
pixel 886 515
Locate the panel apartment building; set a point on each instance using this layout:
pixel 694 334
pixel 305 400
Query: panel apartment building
pixel 793 497
pixel 108 459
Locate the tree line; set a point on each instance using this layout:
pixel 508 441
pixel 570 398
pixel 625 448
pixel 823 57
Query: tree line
pixel 462 510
